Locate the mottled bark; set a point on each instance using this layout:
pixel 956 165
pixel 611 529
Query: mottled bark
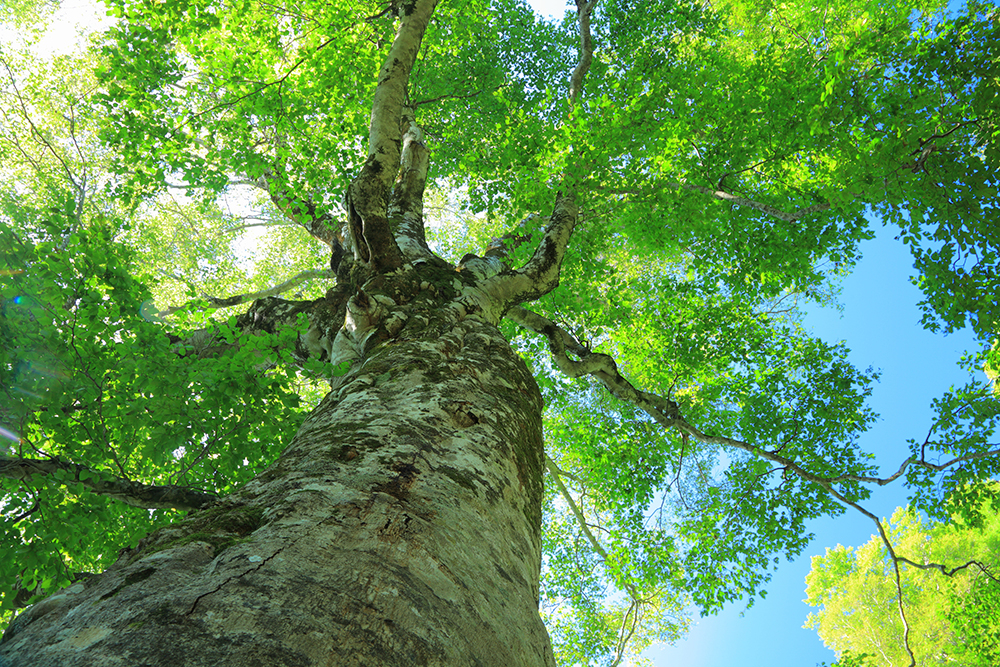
pixel 401 526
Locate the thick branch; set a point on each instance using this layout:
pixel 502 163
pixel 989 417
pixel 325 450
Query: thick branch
pixel 302 211
pixel 584 9
pixel 325 315
pixel 406 205
pixel 540 274
pixel 368 194
pixel 601 366
pixel 387 104
pixel 136 494
pixel 270 315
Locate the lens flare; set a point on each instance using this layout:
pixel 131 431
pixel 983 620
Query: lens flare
pixel 10 435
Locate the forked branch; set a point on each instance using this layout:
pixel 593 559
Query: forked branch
pixel 368 194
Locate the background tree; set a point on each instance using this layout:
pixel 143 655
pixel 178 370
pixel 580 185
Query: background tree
pixel 664 184
pixel 949 616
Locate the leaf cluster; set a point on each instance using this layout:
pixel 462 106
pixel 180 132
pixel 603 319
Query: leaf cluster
pixel 88 377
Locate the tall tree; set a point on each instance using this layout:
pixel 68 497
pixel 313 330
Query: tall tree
pixel 636 200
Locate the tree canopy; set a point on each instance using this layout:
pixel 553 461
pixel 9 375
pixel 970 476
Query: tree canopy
pixel 953 619
pixel 721 162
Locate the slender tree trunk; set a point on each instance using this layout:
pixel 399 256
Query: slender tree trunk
pixel 401 527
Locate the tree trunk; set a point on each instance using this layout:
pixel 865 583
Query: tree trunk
pixel 401 526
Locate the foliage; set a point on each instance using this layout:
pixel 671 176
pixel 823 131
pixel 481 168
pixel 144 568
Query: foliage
pixel 728 157
pixel 975 617
pixel 88 377
pixel 849 659
pixel 949 617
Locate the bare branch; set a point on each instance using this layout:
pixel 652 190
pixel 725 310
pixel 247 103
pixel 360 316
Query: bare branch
pixel 556 477
pixel 636 600
pixel 948 571
pixel 441 98
pixel 78 188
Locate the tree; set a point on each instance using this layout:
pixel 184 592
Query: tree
pixel 952 621
pixel 663 185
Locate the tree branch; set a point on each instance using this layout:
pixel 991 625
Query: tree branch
pixel 583 12
pixel 636 600
pixel 600 366
pixel 225 302
pixel 667 413
pixel 302 211
pixel 368 194
pixel 772 211
pixel 136 494
pixel 275 82
pixel 466 96
pixel 406 203
pixel 540 274
pixel 746 202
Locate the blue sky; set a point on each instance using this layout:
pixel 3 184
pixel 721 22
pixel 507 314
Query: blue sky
pixel 880 323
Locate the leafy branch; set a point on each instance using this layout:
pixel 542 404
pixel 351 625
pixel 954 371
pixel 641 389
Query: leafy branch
pixel 136 494
pixel 540 274
pixel 603 368
pixel 630 619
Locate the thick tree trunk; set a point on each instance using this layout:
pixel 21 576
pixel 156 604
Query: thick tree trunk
pixel 401 527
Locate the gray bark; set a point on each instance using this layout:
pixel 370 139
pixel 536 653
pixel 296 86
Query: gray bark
pixel 401 526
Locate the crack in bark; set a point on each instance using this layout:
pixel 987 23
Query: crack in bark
pixel 253 568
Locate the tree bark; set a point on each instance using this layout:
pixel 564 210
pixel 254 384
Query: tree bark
pixel 400 527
